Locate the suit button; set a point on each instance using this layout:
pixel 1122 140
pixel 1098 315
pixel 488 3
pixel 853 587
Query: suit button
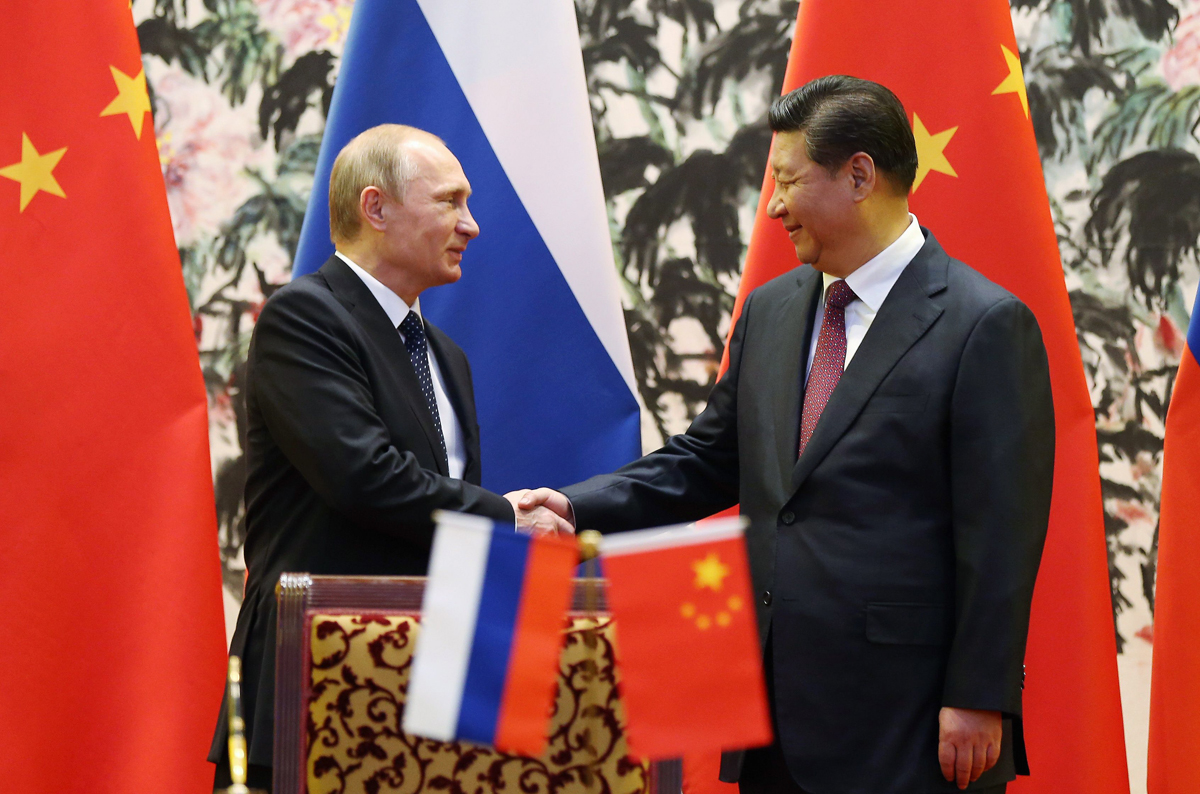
pixel 766 598
pixel 788 518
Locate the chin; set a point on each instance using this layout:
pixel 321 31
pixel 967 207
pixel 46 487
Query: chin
pixel 805 254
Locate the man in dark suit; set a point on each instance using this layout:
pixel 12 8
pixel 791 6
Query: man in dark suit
pixel 361 414
pixel 887 424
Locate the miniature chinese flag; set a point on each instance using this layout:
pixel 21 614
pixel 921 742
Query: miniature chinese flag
pixel 687 644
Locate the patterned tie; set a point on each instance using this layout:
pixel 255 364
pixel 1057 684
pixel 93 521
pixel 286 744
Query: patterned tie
pixel 829 360
pixel 414 340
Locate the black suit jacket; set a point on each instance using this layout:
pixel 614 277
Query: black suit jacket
pixel 895 559
pixel 344 464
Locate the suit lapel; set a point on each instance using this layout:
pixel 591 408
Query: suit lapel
pixel 792 331
pixel 457 379
pixel 353 293
pixel 905 316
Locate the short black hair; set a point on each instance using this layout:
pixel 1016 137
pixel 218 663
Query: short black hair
pixel 841 116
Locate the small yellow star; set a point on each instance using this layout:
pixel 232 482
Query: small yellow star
pixel 35 172
pixel 132 99
pixel 931 151
pixel 1015 82
pixel 710 572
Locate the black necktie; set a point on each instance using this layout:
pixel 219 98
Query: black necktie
pixel 414 340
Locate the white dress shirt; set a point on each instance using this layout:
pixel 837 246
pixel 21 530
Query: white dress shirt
pixel 396 309
pixel 871 283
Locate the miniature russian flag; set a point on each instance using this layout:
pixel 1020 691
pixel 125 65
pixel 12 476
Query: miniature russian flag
pixel 485 665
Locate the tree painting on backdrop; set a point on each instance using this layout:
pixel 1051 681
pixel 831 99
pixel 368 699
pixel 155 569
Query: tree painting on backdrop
pixel 679 91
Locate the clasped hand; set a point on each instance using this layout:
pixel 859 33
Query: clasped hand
pixel 542 511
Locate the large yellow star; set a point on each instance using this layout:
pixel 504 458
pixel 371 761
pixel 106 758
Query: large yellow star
pixel 132 99
pixel 1015 82
pixel 931 151
pixel 710 572
pixel 35 172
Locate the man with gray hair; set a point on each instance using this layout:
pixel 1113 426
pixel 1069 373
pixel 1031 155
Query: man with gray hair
pixel 361 414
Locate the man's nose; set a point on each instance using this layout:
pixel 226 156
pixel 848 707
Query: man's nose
pixel 466 224
pixel 775 205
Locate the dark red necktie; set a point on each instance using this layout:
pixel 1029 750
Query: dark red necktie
pixel 829 361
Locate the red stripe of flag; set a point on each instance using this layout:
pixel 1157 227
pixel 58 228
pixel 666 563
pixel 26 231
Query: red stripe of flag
pixel 537 640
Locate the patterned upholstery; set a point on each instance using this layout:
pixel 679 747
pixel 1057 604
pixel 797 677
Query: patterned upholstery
pixel 359 674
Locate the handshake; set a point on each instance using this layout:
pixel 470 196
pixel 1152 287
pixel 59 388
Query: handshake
pixel 542 511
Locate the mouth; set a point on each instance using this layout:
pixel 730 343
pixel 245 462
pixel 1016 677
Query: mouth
pixel 791 230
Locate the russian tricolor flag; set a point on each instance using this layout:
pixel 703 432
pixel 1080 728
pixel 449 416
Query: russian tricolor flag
pixel 1173 764
pixel 538 308
pixel 486 661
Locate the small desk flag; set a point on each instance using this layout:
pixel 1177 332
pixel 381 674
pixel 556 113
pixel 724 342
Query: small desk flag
pixel 686 637
pixel 484 668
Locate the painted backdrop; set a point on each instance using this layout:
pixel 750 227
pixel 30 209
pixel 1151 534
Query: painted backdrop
pixel 679 91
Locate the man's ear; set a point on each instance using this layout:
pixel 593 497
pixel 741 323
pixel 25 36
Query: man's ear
pixel 370 205
pixel 860 170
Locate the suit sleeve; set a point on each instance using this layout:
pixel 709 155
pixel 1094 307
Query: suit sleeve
pixel 316 400
pixel 691 477
pixel 1002 456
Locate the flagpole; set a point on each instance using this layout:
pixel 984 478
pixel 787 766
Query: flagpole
pixel 237 736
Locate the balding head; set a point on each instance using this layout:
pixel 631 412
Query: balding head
pixel 380 157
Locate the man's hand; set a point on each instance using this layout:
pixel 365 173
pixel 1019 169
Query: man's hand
pixel 535 519
pixel 551 499
pixel 968 743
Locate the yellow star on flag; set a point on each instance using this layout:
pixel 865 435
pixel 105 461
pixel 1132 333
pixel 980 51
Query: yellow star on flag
pixel 35 172
pixel 710 572
pixel 931 151
pixel 1015 82
pixel 132 99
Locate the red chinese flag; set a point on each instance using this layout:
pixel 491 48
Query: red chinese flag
pixel 110 591
pixel 687 644
pixel 980 190
pixel 1174 764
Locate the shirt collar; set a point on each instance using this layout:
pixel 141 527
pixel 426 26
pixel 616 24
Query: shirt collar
pixel 393 305
pixel 874 280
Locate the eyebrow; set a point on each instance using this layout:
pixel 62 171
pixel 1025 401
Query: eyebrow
pixel 449 191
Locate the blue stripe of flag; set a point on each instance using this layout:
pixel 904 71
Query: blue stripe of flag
pixel 1193 335
pixel 487 669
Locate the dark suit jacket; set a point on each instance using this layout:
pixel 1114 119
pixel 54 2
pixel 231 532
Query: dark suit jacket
pixel 344 464
pixel 894 562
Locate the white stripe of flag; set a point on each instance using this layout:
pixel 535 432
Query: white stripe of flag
pixel 457 564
